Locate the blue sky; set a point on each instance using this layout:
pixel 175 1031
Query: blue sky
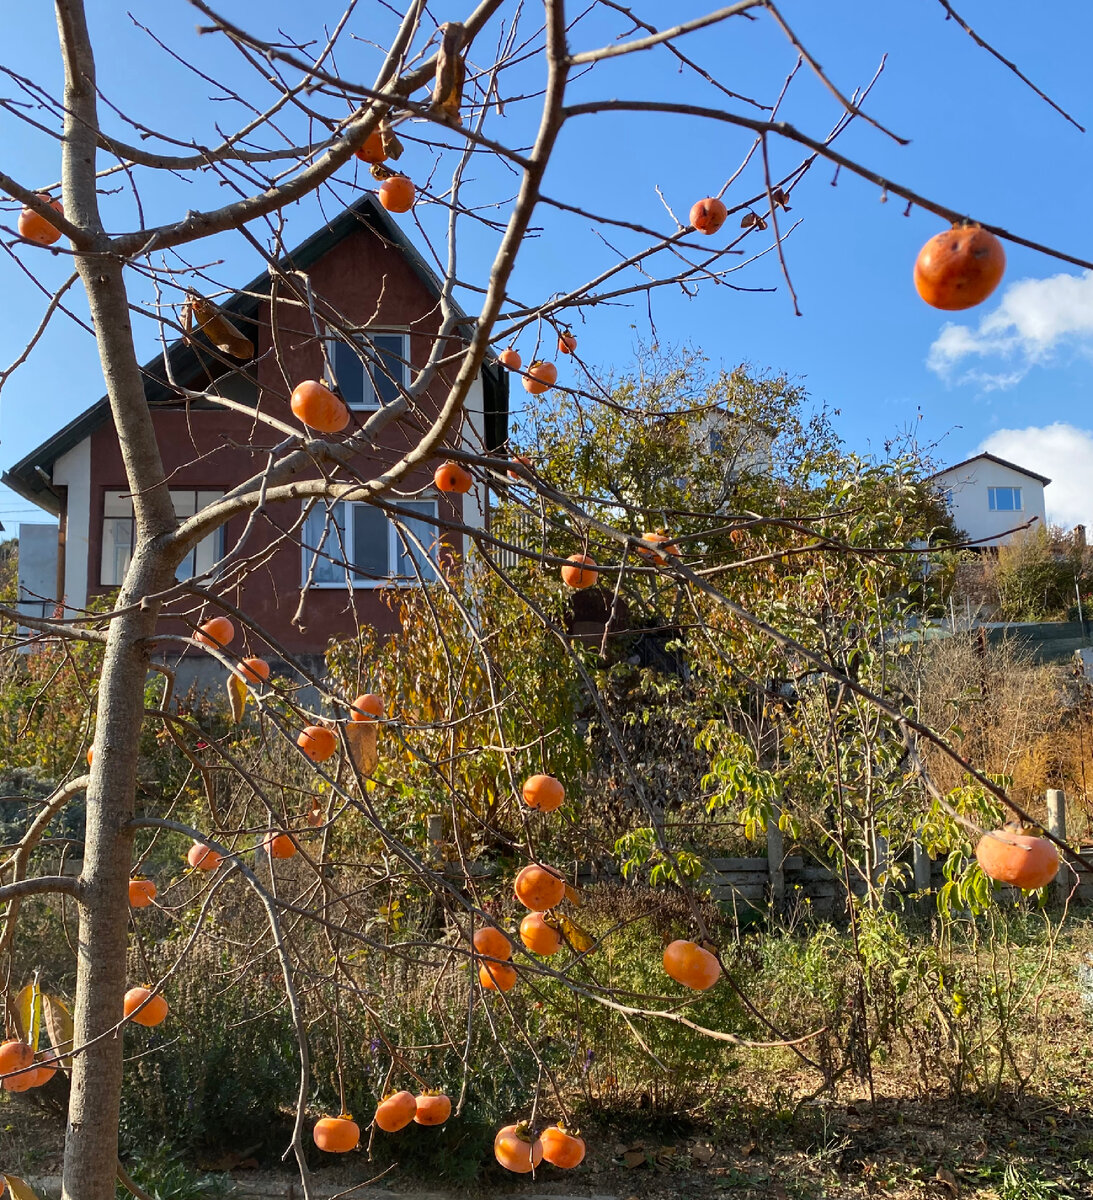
pixel 1014 375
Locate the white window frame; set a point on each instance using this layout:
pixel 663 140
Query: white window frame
pixel 117 515
pixel 340 576
pixel 1017 496
pixel 337 347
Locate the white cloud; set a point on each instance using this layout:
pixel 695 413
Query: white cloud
pixel 1035 318
pixel 1061 452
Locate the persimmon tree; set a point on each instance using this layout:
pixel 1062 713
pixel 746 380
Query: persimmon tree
pixel 307 113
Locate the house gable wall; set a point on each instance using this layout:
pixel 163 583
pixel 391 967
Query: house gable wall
pixel 968 484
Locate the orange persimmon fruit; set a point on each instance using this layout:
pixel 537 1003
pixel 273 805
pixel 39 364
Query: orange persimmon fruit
pixel 316 406
pixel 707 216
pixel 367 707
pixel 510 358
pixel 433 1108
pixel 582 574
pixel 539 888
pixel 318 742
pixel 496 976
pixel 540 376
pixel 397 194
pixel 396 1111
pixel 203 858
pixel 216 633
pixel 1017 858
pixel 560 1147
pixel 543 792
pixel 141 893
pixel 336 1135
pixel 516 1150
pixel 690 964
pixel 451 477
pixel 35 228
pixel 492 942
pixel 253 670
pixel 539 936
pixel 154 1012
pixel 959 268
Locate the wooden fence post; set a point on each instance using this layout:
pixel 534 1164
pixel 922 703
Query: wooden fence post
pixel 1056 826
pixel 776 861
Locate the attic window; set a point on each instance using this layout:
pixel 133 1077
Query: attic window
pixel 358 545
pixel 372 373
pixel 119 532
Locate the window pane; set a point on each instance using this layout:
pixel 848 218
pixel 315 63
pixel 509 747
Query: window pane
pixel 370 558
pixel 317 562
pixel 1016 499
pixel 389 373
pixel 117 549
pixel 407 552
pixel 349 372
pixel 117 504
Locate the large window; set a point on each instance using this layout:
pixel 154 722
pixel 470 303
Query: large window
pixel 358 544
pixel 372 373
pixel 119 532
pixel 1007 499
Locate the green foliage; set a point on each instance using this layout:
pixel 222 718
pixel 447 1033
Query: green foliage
pixel 163 1173
pixel 1035 576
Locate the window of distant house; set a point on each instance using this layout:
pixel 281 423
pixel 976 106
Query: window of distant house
pixel 119 531
pixel 359 544
pixel 373 371
pixel 946 498
pixel 1006 499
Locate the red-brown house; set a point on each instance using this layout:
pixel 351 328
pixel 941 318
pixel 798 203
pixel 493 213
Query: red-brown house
pixel 364 277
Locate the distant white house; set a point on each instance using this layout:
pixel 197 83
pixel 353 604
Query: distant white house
pixel 989 497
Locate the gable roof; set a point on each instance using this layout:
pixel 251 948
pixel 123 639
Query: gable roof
pixel 31 475
pixel 1002 462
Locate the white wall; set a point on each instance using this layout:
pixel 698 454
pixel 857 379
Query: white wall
pixel 969 504
pixel 474 442
pixel 73 471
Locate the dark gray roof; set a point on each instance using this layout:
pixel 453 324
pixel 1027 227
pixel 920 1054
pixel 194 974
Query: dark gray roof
pixel 30 476
pixel 1002 462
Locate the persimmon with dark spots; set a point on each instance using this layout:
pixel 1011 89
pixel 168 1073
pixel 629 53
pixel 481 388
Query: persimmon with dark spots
pixel 707 216
pixel 336 1135
pixel 397 194
pixel 497 976
pixel 141 892
pixel 433 1108
pixel 516 1150
pixel 539 936
pixel 216 633
pixel 316 406
pixel 492 942
pixel 203 858
pixel 543 792
pixel 318 742
pixel 539 888
pixel 562 1148
pixel 372 150
pixel 145 1006
pixel 959 268
pixel 396 1111
pixel 540 376
pixel 579 572
pixel 1014 857
pixel 36 228
pixel 451 477
pixel 367 707
pixel 692 965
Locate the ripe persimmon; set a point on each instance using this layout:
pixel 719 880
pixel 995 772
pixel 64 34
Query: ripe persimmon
pixel 959 268
pixel 280 845
pixel 707 216
pixel 203 858
pixel 560 1147
pixel 372 151
pixel 17 1056
pixel 582 574
pixel 90 756
pixel 154 1012
pixel 516 1150
pixel 397 194
pixel 496 976
pixel 539 888
pixel 539 936
pixel 451 477
pixel 336 1135
pixel 492 942
pixel 367 707
pixel 433 1108
pixel 524 461
pixel 318 742
pixel 396 1111
pixel 689 964
pixel 47 1068
pixel 1017 858
pixel 543 792
pixel 540 376
pixel 141 893
pixel 253 670
pixel 665 544
pixel 216 633
pixel 36 228
pixel 510 358
pixel 567 342
pixel 316 406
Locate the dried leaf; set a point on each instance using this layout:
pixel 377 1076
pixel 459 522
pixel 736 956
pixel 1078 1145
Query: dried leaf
pixel 379 172
pixel 19 1188
pixel 749 1149
pixel 60 1028
pixel 572 895
pixel 780 199
pixel 361 737
pixel 392 147
pixel 701 1152
pixel 216 327
pixel 28 1011
pixel 634 1158
pixel 450 74
pixel 945 1176
pixel 752 220
pixel 577 938
pixel 237 697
